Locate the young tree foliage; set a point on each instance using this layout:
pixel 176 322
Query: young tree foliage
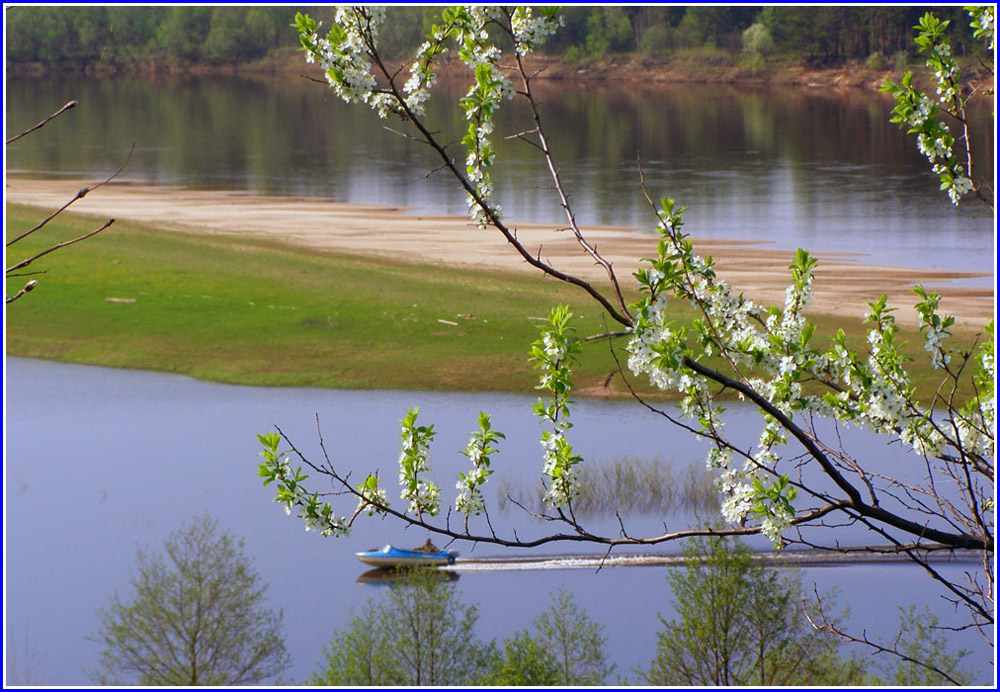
pixel 419 634
pixel 739 622
pixel 524 662
pixel 196 615
pixel 574 640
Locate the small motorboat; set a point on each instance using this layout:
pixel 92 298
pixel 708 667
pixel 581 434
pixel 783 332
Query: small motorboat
pixel 426 555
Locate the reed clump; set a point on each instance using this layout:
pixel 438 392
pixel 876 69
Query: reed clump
pixel 645 486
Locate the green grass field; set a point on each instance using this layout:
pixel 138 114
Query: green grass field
pixel 247 311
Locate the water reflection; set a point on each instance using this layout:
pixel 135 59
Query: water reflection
pixel 820 168
pixel 388 577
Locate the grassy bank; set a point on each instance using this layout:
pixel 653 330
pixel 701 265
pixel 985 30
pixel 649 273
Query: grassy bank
pixel 248 311
pixel 245 311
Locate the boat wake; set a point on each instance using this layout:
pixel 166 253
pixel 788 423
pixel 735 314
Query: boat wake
pixel 803 558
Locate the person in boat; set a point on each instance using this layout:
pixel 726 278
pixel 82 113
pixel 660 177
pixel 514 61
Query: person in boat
pixel 428 547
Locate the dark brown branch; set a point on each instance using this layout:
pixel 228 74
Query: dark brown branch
pixel 827 626
pixel 69 105
pixel 81 193
pixel 957 540
pixel 57 246
pixel 621 316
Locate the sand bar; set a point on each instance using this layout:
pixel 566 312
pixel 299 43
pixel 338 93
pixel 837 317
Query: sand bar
pixel 843 285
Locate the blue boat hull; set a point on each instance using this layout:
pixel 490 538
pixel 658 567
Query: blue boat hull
pixel 390 556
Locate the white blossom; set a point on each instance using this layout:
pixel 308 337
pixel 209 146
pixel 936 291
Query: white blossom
pixel 530 31
pixel 775 524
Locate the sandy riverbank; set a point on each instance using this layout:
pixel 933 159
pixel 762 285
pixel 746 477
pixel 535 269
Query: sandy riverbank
pixel 843 286
pixel 634 68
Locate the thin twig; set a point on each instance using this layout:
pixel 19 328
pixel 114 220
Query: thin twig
pixel 68 106
pixel 827 626
pixel 81 193
pixel 57 246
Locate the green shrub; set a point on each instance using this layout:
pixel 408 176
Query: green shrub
pixel 657 40
pixel 900 60
pixel 876 61
pixel 757 39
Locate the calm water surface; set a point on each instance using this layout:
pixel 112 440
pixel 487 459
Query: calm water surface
pixel 100 461
pixel 815 168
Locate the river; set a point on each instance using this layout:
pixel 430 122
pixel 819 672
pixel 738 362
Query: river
pixel 102 461
pixel 818 168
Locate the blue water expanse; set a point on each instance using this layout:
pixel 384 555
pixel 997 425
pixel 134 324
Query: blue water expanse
pixel 100 461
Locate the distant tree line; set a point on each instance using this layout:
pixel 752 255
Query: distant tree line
pixel 824 34
pixel 82 36
pixel 125 36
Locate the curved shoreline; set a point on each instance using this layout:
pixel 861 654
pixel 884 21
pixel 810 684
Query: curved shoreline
pixel 634 68
pixel 843 286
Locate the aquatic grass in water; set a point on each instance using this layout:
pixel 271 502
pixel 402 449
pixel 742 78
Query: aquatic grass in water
pixel 646 486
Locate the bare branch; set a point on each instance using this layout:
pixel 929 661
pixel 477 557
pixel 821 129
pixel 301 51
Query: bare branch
pixel 28 288
pixel 57 246
pixel 606 335
pixel 81 193
pixel 824 625
pixel 68 106
pixel 543 146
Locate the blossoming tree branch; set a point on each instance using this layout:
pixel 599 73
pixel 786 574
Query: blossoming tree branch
pixel 796 485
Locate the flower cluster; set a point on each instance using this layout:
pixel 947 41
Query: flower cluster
pixel 877 392
pixel 372 498
pixel 478 451
pixel 933 327
pixel 422 75
pixel 345 55
pixel 531 31
pixel 423 495
pixel 553 354
pixel 884 387
pixel 983 23
pixel 772 343
pixel 977 421
pixel 559 461
pixel 292 493
pixel 919 113
pixel 480 103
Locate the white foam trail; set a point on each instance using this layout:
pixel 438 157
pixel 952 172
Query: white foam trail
pixel 810 558
pixel 556 563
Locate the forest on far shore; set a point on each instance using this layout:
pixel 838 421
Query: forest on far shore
pixel 84 37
